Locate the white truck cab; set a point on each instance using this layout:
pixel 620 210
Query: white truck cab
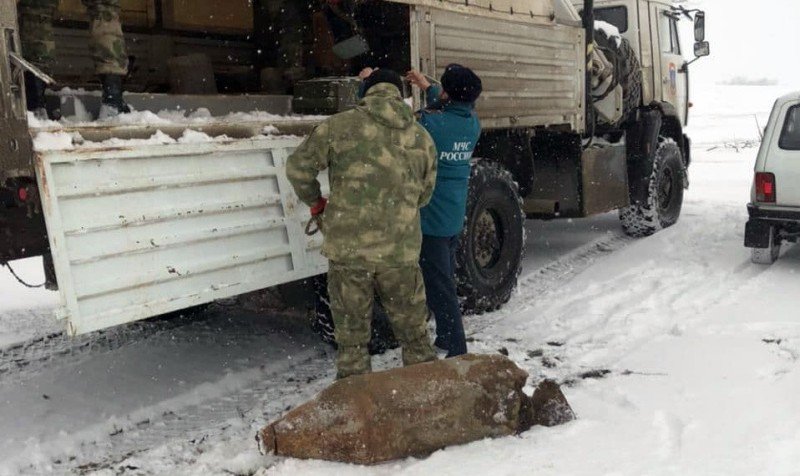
pixel 774 206
pixel 651 27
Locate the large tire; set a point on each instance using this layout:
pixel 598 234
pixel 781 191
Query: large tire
pixel 627 71
pixel 322 321
pixel 662 207
pixel 489 258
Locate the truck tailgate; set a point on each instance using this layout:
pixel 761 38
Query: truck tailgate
pixel 140 231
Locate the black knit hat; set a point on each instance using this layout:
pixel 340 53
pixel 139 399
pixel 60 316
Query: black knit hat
pixel 461 83
pixel 383 76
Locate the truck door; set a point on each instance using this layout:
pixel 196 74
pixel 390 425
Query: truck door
pixel 668 59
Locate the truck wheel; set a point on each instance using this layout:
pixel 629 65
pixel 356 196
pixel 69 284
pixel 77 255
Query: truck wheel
pixel 768 255
pixel 627 71
pixel 382 335
pixel 322 322
pixel 662 208
pixel 489 258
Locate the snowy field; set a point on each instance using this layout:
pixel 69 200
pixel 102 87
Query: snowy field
pixel 678 355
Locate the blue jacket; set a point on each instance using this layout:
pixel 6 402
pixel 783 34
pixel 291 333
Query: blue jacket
pixel 455 129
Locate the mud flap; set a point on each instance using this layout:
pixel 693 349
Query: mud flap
pixel 642 142
pixel 756 233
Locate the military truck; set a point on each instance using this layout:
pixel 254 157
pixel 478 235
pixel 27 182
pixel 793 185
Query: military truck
pixel 583 112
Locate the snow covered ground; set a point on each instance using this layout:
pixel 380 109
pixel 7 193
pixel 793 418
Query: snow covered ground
pixel 679 355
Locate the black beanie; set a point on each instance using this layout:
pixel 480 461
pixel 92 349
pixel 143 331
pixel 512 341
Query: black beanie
pixel 461 84
pixel 383 76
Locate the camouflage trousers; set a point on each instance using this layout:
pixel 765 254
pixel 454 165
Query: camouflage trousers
pixel 108 43
pixel 352 289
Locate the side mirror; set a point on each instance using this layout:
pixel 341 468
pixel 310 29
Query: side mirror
pixel 702 48
pixel 700 26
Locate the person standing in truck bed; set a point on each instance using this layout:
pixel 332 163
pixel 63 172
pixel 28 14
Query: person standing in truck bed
pixel 107 45
pixel 382 169
pixel 451 120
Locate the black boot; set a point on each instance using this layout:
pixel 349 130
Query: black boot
pixel 113 104
pixel 34 94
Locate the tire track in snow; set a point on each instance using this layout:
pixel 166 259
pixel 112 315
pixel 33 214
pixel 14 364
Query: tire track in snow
pixel 25 359
pixel 543 281
pixel 679 279
pixel 189 430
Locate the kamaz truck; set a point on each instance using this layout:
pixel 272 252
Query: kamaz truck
pixel 583 112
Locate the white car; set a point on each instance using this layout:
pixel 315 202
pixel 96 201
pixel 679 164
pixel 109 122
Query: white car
pixel 774 206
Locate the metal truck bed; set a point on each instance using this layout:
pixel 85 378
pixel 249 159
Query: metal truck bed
pixel 532 67
pixel 144 230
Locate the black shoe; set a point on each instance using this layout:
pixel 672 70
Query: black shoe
pixel 113 104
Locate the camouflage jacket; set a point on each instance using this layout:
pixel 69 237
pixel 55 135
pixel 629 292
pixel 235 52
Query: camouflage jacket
pixel 382 171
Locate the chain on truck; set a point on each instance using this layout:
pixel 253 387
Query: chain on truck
pixel 583 112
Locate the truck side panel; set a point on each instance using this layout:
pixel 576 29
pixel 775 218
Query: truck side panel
pixel 141 231
pixel 532 72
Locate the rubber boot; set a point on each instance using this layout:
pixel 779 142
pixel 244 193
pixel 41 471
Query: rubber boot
pixel 418 351
pixel 112 103
pixel 34 94
pixel 352 360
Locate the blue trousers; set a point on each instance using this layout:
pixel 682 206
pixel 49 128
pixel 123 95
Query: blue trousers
pixel 438 263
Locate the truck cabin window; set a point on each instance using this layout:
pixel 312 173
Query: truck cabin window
pixel 617 16
pixel 790 135
pixel 668 33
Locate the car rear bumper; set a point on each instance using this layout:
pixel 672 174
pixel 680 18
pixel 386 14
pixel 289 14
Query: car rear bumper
pixel 756 232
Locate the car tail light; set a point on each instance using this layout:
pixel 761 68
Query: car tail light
pixel 765 187
pixel 22 194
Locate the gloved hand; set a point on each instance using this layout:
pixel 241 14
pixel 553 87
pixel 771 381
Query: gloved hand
pixel 314 225
pixel 418 79
pixel 319 207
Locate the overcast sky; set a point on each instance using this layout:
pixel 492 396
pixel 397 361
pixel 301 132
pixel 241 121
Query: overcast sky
pixel 750 38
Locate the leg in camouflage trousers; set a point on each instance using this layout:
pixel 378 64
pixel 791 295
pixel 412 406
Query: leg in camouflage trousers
pixel 108 44
pixel 36 31
pixel 352 289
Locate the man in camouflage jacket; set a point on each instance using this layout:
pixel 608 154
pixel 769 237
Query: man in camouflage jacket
pixel 107 46
pixel 382 169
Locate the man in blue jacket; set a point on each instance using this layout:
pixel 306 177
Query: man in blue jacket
pixel 451 120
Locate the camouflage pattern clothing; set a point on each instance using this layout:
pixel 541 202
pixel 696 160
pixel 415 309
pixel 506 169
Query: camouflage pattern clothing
pixel 108 43
pixel 382 169
pixel 352 289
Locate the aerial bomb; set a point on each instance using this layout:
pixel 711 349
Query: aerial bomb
pixel 414 411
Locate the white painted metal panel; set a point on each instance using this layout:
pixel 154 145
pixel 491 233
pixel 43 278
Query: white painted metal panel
pixel 141 231
pixel 532 74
